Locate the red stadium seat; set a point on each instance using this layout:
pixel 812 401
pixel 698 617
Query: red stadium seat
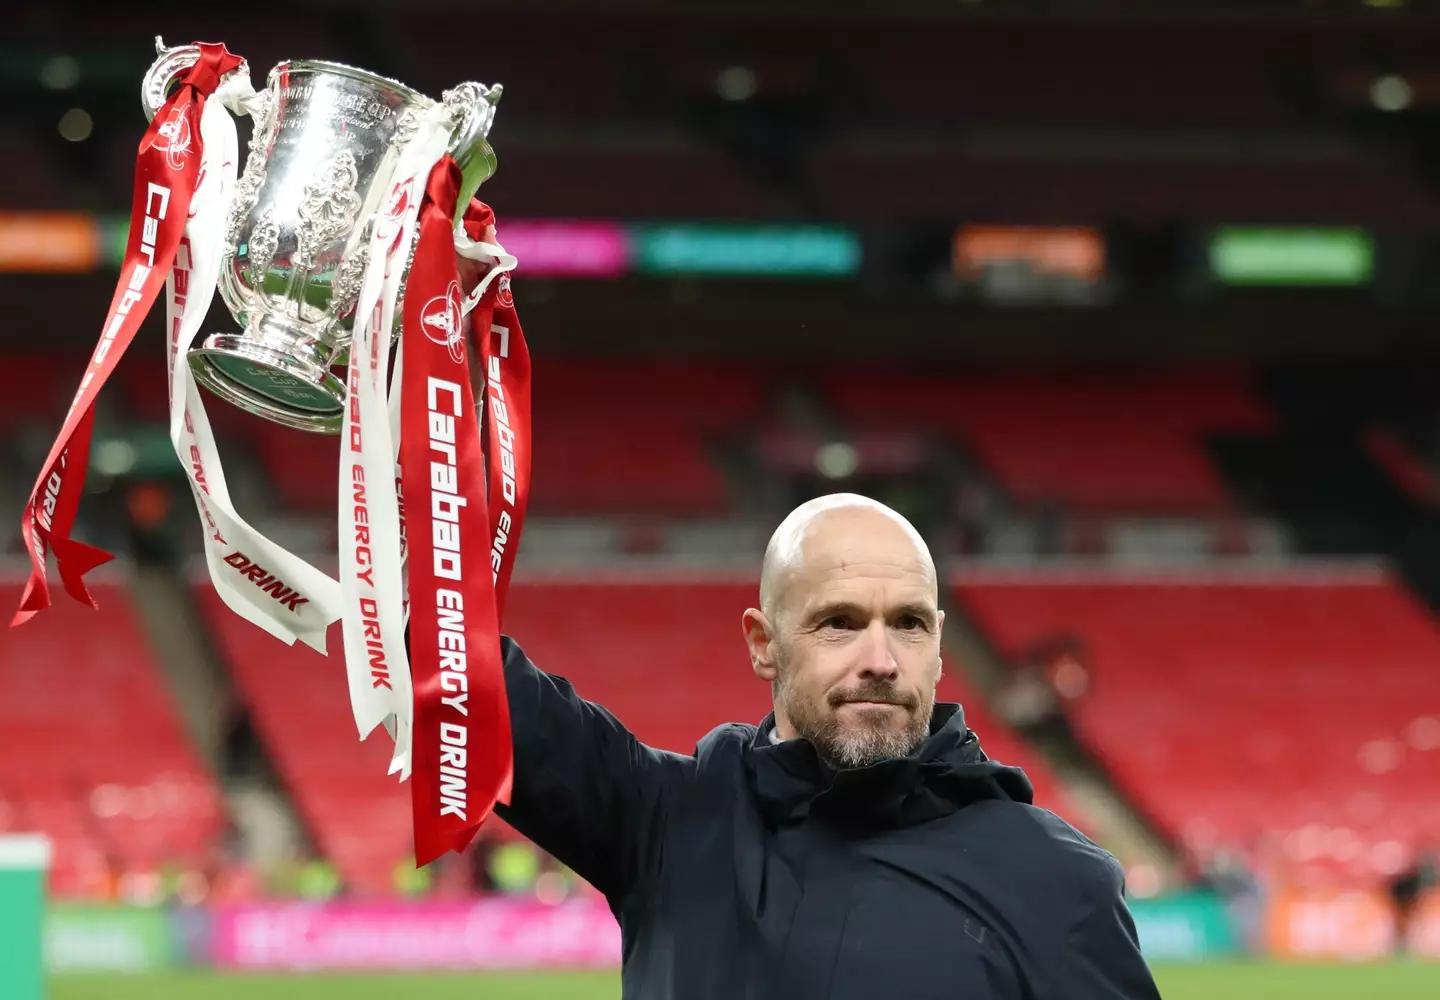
pixel 1231 708
pixel 1001 742
pixel 664 656
pixel 599 446
pixel 300 707
pixel 96 755
pixel 620 436
pixel 305 468
pixel 1107 444
pixel 667 659
pixel 38 388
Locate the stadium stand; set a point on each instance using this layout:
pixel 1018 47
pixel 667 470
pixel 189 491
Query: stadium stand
pixel 604 449
pixel 664 656
pixel 1103 443
pixel 27 166
pixel 142 383
pixel 1001 742
pixel 1416 477
pixel 1302 707
pixel 35 387
pixel 300 710
pixel 93 752
pixel 632 437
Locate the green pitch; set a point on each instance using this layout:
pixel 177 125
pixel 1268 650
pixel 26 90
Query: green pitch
pixel 213 986
pixel 1238 981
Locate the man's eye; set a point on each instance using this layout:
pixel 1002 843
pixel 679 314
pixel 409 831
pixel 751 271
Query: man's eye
pixel 911 622
pixel 836 621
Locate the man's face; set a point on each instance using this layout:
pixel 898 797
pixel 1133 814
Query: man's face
pixel 855 641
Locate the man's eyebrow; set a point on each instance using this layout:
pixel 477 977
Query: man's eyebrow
pixel 832 608
pixel 922 611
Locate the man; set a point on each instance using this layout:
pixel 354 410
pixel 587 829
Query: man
pixel 1407 889
pixel 857 843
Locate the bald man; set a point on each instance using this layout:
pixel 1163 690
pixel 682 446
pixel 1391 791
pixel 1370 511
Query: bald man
pixel 857 843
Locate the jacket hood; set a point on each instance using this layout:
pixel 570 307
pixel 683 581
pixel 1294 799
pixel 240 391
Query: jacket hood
pixel 945 773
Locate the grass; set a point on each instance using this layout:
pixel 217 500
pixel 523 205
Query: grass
pixel 1217 981
pixel 1321 981
pixel 428 986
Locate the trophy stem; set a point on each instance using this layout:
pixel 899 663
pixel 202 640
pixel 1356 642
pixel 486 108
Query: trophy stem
pixel 276 370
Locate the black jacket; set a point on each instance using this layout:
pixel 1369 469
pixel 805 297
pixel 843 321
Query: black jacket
pixel 751 870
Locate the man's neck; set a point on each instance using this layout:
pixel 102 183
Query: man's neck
pixel 783 730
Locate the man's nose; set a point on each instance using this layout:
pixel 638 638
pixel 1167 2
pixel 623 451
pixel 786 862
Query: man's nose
pixel 877 659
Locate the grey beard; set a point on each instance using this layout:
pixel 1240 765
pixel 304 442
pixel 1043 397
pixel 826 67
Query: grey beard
pixel 845 748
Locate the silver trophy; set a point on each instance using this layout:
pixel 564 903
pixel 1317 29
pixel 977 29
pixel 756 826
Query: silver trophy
pixel 325 145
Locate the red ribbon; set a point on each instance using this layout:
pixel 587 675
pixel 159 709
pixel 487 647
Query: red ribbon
pixel 462 542
pixel 166 170
pixel 507 411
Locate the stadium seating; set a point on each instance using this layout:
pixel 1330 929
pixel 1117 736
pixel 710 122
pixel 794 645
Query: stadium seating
pixel 1105 444
pixel 142 383
pixel 305 468
pixel 667 658
pixel 35 180
pixel 599 444
pixel 664 656
pixel 1001 742
pixel 300 708
pixel 1303 706
pixel 93 752
pixel 37 388
pixel 620 436
pixel 1417 478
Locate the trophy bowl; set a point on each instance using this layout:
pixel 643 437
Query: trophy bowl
pixel 326 141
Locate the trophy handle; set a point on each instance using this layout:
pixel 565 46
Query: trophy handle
pixel 472 107
pixel 169 66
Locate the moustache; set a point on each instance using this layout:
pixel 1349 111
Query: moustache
pixel 877 691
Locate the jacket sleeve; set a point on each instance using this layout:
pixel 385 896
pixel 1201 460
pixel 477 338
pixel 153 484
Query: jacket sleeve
pixel 585 790
pixel 1101 957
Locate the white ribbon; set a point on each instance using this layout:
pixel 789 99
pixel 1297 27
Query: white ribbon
pixel 400 761
pixel 371 559
pixel 256 578
pixel 493 254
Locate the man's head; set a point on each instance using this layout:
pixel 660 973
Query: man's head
pixel 848 631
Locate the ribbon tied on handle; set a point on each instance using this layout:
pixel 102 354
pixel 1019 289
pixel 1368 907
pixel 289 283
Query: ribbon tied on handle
pixel 464 513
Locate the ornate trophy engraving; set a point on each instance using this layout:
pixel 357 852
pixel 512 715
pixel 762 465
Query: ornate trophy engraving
pixel 325 145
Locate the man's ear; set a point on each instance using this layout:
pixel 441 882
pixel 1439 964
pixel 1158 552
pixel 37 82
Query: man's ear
pixel 759 639
pixel 939 631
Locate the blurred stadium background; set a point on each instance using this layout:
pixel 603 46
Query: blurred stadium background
pixel 1131 307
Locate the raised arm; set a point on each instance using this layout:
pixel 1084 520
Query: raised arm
pixel 586 790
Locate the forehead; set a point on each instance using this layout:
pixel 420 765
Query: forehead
pixel 864 556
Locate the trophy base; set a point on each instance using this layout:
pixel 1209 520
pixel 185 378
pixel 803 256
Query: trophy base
pixel 270 383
